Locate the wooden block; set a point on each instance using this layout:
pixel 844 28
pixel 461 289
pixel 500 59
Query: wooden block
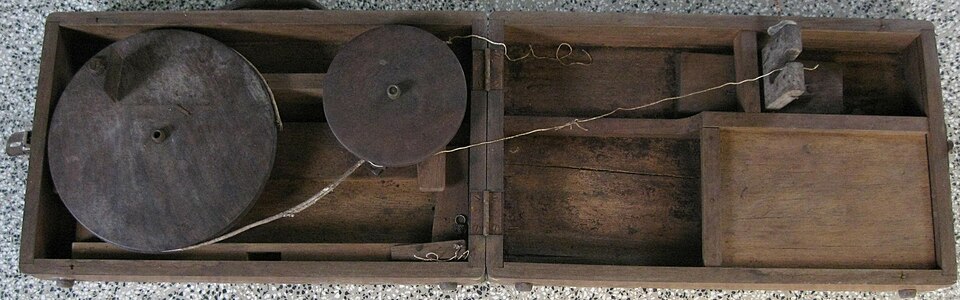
pixel 787 86
pixel 784 45
pixel 438 250
pixel 699 71
pixel 824 199
pixel 781 49
pixel 824 91
pixel 432 173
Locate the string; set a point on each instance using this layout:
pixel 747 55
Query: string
pixel 433 256
pixel 578 122
pixel 284 214
pixel 530 52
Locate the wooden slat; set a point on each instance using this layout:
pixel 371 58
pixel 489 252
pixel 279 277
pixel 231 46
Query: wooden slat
pixel 824 199
pixel 719 278
pixel 255 271
pixel 608 127
pixel 329 26
pixel 312 82
pixel 712 206
pixel 746 67
pixel 440 250
pixel 805 121
pixel 246 251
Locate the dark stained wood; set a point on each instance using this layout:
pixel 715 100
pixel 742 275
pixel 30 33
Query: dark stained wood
pixel 618 77
pixel 432 173
pixel 310 151
pixel 746 60
pixel 608 127
pixel 247 252
pixel 453 201
pixel 824 91
pixel 824 199
pixel 612 201
pixel 873 83
pixel 699 71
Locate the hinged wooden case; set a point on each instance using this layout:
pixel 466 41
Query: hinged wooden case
pixel 846 190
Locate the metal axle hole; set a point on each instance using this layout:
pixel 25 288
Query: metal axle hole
pixel 393 91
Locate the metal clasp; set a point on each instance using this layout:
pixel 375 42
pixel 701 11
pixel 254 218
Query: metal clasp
pixel 19 143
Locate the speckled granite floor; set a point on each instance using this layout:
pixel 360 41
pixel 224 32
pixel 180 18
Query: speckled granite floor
pixel 22 22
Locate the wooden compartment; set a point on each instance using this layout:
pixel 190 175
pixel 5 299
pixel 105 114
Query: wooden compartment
pixel 819 199
pixel 368 230
pixel 845 189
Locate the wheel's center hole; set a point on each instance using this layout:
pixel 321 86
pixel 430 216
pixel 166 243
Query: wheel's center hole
pixel 158 135
pixel 393 91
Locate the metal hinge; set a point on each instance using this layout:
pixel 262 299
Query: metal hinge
pixel 19 143
pixel 492 212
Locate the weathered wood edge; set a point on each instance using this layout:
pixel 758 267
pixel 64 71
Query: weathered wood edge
pixel 753 23
pixel 719 278
pixel 938 156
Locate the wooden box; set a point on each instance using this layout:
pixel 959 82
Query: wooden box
pixel 846 190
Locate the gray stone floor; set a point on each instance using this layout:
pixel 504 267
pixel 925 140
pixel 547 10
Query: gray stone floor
pixel 21 22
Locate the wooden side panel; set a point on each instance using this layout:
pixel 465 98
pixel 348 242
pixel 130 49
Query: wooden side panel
pixel 937 153
pixel 602 201
pixel 825 199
